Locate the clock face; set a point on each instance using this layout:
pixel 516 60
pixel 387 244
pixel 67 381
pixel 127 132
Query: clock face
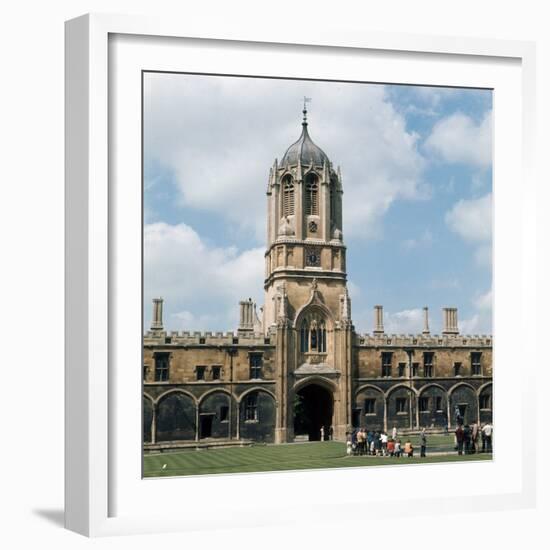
pixel 313 258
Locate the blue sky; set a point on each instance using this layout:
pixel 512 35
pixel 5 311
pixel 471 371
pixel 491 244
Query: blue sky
pixel 417 174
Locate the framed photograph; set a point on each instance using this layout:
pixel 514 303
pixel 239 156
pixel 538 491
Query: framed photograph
pixel 294 265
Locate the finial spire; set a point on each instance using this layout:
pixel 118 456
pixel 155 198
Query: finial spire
pixel 306 101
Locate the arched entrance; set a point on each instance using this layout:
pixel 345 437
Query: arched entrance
pixel 313 409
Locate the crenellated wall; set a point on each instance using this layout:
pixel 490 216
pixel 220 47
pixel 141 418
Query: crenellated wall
pixel 447 351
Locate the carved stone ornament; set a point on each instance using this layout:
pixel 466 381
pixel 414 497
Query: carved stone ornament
pixel 286 227
pixel 313 227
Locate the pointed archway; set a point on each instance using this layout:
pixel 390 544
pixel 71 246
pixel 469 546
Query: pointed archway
pixel 313 410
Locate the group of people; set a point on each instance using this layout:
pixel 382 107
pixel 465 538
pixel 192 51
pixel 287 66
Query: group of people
pixel 467 438
pixel 374 443
pixel 363 442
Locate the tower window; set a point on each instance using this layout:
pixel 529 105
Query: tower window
pixel 304 333
pixel 332 203
pixel 457 367
pixel 288 196
pixel 313 335
pixel 312 195
pixel 162 367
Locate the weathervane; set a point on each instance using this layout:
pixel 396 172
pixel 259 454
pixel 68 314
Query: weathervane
pixel 306 101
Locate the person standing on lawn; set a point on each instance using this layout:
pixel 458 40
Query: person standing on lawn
pixel 377 443
pixel 409 449
pixel 475 437
pixel 354 441
pixel 488 431
pixel 398 448
pixel 370 439
pixel 394 433
pixel 467 439
pixel 423 440
pixel 360 442
pixel 459 433
pixel 384 443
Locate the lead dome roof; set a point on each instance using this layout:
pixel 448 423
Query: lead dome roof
pixel 304 150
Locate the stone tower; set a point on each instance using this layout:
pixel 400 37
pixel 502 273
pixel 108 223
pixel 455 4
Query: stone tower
pixel 306 298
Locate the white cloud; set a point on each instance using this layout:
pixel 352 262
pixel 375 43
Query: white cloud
pixel 445 283
pixel 471 325
pixel 193 277
pixel 484 302
pixel 483 255
pixel 408 321
pixel 481 322
pixel 220 136
pixel 458 139
pixel 433 95
pixel 472 219
pixel 423 241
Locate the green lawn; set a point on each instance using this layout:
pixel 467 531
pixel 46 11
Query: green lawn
pixel 263 458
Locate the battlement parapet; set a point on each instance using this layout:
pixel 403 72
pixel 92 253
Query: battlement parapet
pixel 184 338
pixel 423 340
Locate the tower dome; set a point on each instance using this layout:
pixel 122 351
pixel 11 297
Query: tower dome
pixel 304 151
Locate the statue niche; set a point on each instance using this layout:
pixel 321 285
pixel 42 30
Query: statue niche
pixel 313 338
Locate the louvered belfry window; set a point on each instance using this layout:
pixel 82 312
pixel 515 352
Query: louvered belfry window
pixel 288 197
pixel 312 195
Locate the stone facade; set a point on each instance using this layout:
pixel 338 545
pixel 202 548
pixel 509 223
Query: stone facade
pixel 301 365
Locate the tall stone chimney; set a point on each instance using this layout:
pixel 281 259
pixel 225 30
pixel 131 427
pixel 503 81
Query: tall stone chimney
pixel 450 321
pixel 378 320
pixel 156 323
pixel 247 315
pixel 426 329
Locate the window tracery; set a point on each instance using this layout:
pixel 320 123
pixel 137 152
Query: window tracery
pixel 288 196
pixel 313 334
pixel 312 195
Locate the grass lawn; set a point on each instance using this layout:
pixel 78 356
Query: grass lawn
pixel 264 458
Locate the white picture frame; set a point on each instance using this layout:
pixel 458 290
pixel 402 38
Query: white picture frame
pixel 103 494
